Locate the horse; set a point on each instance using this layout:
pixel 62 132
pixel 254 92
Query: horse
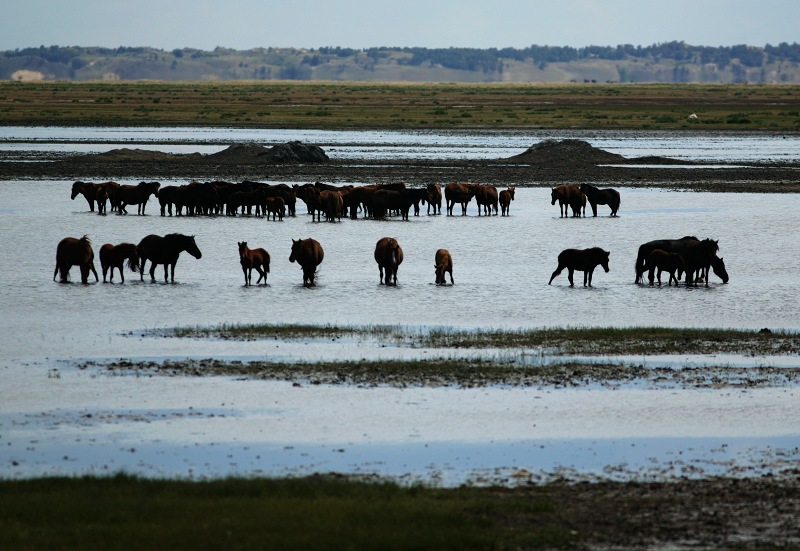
pixel 698 256
pixel 598 196
pixel 276 207
pixel 585 260
pixel 568 196
pixel 443 262
pixel 664 262
pixel 114 256
pixel 253 258
pixel 506 196
pixel 434 198
pixel 389 256
pixel 165 250
pixel 88 190
pixel 385 200
pixel 668 245
pixel 718 265
pixel 134 195
pixel 309 254
pixel 75 252
pixel 332 203
pixel 486 196
pixel 417 196
pixel 458 193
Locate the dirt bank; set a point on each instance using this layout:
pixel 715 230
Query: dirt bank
pixel 546 164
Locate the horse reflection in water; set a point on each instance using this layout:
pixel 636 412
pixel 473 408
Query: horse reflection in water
pixel 583 260
pixel 253 258
pixel 114 257
pixel 309 254
pixel 165 250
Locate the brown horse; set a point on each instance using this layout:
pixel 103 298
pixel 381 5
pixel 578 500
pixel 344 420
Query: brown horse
pixel 114 256
pixel 583 260
pixel 506 196
pixel 389 256
pixel 75 252
pixel 443 263
pixel 134 195
pixel 332 203
pixel 309 254
pixel 568 195
pixel 597 196
pixel 253 258
pixel 458 193
pixel 165 250
pixel 668 245
pixel 276 206
pixel 486 196
pixel 434 198
pixel 90 192
pixel 664 262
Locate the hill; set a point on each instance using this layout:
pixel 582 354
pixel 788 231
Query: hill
pixel 668 62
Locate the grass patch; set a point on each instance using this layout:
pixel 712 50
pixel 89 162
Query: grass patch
pixel 320 512
pixel 593 341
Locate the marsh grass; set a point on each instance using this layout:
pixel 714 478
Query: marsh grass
pixel 337 105
pixel 318 512
pixel 589 341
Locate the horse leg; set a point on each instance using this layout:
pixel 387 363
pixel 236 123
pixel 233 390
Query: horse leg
pixel 571 272
pixel 84 273
pixel 105 269
pixel 380 271
pixel 659 277
pixel 153 271
pixel 556 272
pixel 121 273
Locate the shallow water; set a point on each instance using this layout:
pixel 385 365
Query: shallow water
pixel 66 420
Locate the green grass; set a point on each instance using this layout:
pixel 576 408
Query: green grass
pixel 125 512
pixel 335 105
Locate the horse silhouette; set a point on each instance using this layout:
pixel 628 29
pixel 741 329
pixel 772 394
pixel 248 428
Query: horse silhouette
pixel 664 262
pixel 309 254
pixel 506 196
pixel 598 196
pixel 114 256
pixel 165 250
pixel 458 193
pixel 389 256
pixel 253 258
pixel 443 262
pixel 583 260
pixel 667 245
pixel 72 251
pixel 698 256
pixel 134 195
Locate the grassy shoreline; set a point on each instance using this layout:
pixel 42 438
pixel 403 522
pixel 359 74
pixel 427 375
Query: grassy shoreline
pixel 330 512
pixel 361 105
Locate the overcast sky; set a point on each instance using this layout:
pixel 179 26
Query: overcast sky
pixel 244 24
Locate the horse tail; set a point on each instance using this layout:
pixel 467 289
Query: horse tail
pixel 640 264
pixel 133 262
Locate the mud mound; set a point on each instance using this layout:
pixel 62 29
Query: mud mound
pixel 249 153
pixel 569 152
pixel 134 155
pixel 291 152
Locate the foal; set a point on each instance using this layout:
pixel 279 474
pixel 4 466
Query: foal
pixel 253 258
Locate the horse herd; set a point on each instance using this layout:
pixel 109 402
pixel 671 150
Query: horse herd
pixel 687 255
pixel 277 200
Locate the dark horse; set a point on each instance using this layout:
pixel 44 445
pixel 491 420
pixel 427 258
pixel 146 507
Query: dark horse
pixel 75 252
pixel 309 254
pixel 598 196
pixel 698 256
pixel 664 262
pixel 506 196
pixel 114 256
pixel 389 256
pixel 134 195
pixel 253 258
pixel 165 250
pixel 667 245
pixel 583 260
pixel 675 246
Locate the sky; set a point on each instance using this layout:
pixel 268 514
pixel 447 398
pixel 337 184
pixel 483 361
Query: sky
pixel 245 24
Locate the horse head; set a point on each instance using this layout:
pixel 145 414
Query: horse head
pixel 192 249
pixel 554 196
pixel 718 265
pixel 295 250
pixel 77 188
pixel 511 191
pixel 604 259
pixel 242 248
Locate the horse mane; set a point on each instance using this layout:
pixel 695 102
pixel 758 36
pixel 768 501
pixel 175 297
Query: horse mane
pixel 85 239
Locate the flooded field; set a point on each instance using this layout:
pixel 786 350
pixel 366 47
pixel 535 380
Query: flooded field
pixel 64 419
